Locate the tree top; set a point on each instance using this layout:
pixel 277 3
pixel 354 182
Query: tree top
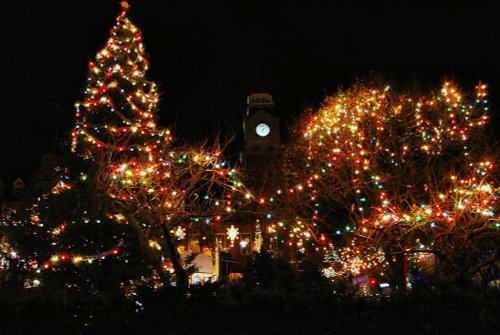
pixel 125 5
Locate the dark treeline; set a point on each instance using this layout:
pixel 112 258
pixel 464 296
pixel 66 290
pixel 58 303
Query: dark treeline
pixel 271 299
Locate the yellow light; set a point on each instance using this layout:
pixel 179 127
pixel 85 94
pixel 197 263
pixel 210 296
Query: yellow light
pixel 232 234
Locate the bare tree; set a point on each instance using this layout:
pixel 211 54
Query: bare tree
pixel 179 187
pixel 371 159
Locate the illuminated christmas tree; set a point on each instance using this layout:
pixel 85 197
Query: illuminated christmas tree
pixel 158 187
pixel 73 234
pixel 119 110
pixel 65 240
pixel 116 122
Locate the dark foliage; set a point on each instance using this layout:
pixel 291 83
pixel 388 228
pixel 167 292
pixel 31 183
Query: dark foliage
pixel 274 300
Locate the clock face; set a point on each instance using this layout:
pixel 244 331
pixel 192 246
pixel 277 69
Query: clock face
pixel 262 129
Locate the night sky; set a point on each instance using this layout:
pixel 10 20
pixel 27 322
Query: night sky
pixel 204 56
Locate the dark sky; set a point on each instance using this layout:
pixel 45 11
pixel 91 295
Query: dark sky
pixel 204 56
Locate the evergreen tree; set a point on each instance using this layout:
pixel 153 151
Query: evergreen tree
pixel 159 187
pixel 118 114
pixel 72 235
pixel 134 190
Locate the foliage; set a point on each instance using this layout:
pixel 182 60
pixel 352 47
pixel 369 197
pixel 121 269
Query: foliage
pixel 249 309
pixel 67 240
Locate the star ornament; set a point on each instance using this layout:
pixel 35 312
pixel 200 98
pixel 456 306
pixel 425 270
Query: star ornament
pixel 125 5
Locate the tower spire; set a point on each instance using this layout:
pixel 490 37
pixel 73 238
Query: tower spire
pixel 257 79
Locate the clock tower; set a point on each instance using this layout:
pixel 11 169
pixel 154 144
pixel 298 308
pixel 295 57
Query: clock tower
pixel 262 152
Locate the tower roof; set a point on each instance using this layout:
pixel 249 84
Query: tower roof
pixel 260 100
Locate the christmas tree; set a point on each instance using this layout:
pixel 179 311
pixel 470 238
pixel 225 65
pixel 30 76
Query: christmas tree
pixel 136 193
pixel 73 236
pixel 159 187
pixel 119 110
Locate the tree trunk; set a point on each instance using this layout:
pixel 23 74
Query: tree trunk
pixel 155 261
pixel 181 277
pixel 397 263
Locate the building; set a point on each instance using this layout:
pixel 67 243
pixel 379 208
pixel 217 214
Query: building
pixel 235 240
pixel 262 152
